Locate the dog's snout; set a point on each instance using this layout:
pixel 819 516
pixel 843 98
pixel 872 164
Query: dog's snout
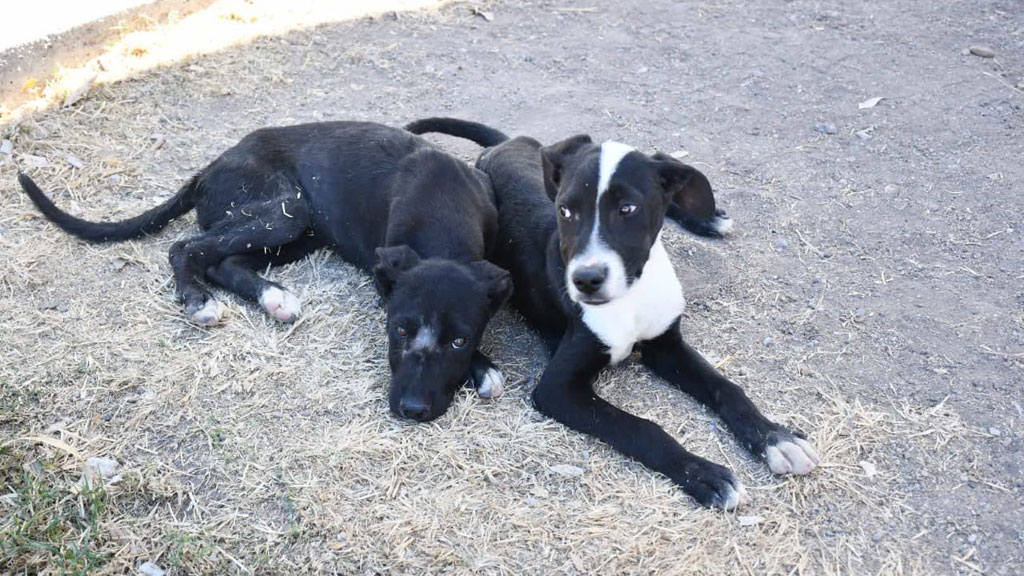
pixel 414 409
pixel 589 279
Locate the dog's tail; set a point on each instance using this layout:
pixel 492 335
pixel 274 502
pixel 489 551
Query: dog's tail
pixel 479 133
pixel 146 223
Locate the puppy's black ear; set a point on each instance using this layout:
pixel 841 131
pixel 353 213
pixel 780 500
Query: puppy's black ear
pixel 497 280
pixel 685 187
pixel 555 158
pixel 392 261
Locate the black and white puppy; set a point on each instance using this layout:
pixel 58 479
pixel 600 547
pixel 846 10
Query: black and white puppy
pixel 382 198
pixel 580 231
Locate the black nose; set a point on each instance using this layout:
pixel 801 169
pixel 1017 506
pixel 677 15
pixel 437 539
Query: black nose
pixel 414 409
pixel 589 279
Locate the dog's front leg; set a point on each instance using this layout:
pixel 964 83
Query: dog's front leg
pixel 485 376
pixel 566 394
pixel 672 359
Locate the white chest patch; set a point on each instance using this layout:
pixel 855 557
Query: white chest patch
pixel 646 310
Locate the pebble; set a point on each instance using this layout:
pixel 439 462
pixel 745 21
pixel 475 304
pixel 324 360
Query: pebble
pixel 859 315
pixel 151 569
pixel 826 128
pixel 972 538
pixel 6 148
pixel 567 470
pixel 994 431
pixel 768 341
pixel 75 161
pixel 877 537
pixel 864 134
pixel 781 244
pixel 982 51
pixel 891 189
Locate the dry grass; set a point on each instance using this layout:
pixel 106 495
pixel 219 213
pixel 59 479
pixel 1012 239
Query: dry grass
pixel 262 448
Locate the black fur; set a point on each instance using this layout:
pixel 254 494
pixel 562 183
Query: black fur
pixel 385 200
pixel 526 177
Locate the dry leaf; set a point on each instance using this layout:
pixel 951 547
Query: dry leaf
pixel 870 102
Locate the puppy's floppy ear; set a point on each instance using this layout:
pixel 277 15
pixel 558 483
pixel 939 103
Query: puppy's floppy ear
pixel 555 158
pixel 497 280
pixel 686 188
pixel 392 261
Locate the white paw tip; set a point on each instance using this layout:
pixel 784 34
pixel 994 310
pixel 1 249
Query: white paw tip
pixel 722 224
pixel 210 314
pixel 796 457
pixel 493 385
pixel 281 304
pixel 736 497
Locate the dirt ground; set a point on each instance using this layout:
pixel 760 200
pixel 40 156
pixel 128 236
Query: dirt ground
pixel 871 296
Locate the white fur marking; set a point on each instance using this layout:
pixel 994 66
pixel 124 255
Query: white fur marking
pixel 281 304
pixel 736 497
pixel 721 224
pixel 647 309
pixel 210 314
pixel 493 385
pixel 797 457
pixel 425 339
pixel 597 252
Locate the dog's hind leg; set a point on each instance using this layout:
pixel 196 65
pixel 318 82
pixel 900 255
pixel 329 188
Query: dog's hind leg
pixel 238 274
pixel 258 228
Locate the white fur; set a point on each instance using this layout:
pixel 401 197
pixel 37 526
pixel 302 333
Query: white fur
pixel 796 457
pixel 210 314
pixel 493 385
pixel 722 224
pixel 736 497
pixel 281 304
pixel 647 309
pixel 426 339
pixel 597 252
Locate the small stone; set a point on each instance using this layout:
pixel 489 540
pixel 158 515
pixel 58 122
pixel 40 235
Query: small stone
pixel 869 468
pixel 33 161
pixel 642 70
pixel 877 537
pixel 891 189
pixel 530 501
pixel 972 538
pixel 6 148
pixel 965 52
pixel 107 417
pixel 151 569
pixel 863 134
pixel 567 470
pixel 982 51
pixel 825 128
pixel 99 471
pixel 859 315
pixel 749 520
pixel 768 341
pixel 781 244
pixel 994 431
pixel 74 161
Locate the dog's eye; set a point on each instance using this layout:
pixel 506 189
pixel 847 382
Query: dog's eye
pixel 402 332
pixel 459 343
pixel 564 212
pixel 627 209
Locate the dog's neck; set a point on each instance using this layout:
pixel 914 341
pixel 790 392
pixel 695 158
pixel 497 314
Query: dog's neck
pixel 650 306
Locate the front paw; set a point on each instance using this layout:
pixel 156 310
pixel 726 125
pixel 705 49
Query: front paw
pixel 485 377
pixel 787 453
pixel 711 485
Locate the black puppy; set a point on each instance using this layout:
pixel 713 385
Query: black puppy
pixel 592 276
pixel 384 200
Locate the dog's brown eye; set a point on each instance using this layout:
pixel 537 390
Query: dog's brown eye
pixel 564 212
pixel 402 331
pixel 459 343
pixel 627 209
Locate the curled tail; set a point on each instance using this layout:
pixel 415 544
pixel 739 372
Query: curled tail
pixel 479 133
pixel 146 223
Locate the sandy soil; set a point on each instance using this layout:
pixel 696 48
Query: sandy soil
pixel 871 297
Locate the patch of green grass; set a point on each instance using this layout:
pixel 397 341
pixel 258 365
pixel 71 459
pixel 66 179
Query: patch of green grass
pixel 14 403
pixel 44 525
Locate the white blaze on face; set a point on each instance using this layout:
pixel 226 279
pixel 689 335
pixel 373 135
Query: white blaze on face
pixel 426 339
pixel 597 252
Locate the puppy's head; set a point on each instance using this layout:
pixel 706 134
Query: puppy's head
pixel 437 312
pixel 611 201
